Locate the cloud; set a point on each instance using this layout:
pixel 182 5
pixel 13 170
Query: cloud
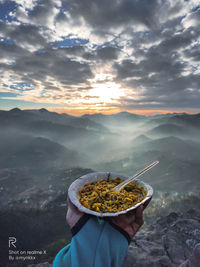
pixel 164 74
pixel 40 13
pixel 25 35
pixel 101 15
pixel 192 53
pixel 103 54
pixel 108 53
pixel 70 50
pixel 54 63
pixel 192 19
pixel 11 51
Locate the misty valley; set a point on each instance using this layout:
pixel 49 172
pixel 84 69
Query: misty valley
pixel 42 153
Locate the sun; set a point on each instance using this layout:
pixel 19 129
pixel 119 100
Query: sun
pixel 105 90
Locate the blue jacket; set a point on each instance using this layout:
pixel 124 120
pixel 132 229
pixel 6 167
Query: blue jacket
pixel 95 243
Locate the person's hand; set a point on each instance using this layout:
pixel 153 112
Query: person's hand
pixel 131 221
pixel 73 214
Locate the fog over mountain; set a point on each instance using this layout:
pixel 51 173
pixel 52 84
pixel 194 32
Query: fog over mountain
pixel 42 152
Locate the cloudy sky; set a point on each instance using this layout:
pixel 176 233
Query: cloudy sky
pixel 86 56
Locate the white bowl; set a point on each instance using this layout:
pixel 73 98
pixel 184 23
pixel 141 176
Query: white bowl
pixel 78 184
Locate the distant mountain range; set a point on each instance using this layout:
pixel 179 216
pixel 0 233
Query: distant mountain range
pixel 16 117
pixel 123 118
pixel 166 129
pixel 95 121
pixel 42 153
pixel 40 142
pixel 72 132
pixel 174 147
pixel 186 120
pixel 48 138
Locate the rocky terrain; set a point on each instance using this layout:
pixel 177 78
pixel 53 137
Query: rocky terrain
pixel 171 241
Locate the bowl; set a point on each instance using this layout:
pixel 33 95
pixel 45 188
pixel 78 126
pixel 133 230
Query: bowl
pixel 77 185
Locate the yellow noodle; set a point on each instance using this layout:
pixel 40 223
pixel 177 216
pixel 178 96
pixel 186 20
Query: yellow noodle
pixel 97 196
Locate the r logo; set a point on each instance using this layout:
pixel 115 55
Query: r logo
pixel 12 241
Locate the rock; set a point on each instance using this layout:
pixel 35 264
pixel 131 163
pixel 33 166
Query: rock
pixel 174 247
pixel 172 241
pixel 195 259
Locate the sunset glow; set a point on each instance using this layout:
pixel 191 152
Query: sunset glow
pixel 109 111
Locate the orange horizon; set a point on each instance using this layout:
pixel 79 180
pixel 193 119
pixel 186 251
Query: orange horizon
pixel 147 112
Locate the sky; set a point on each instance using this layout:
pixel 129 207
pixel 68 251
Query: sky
pixel 91 56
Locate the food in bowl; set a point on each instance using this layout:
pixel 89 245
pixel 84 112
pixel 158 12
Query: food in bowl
pixel 98 197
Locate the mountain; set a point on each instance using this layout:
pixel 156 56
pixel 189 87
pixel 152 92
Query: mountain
pixel 140 139
pixel 189 120
pixel 39 153
pixel 163 118
pixel 127 116
pixel 186 122
pixel 177 130
pixel 115 119
pixel 173 146
pixel 178 168
pixel 80 134
pixel 66 119
pixel 169 129
pixel 27 188
pixel 17 117
pixel 55 130
pixel 14 117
